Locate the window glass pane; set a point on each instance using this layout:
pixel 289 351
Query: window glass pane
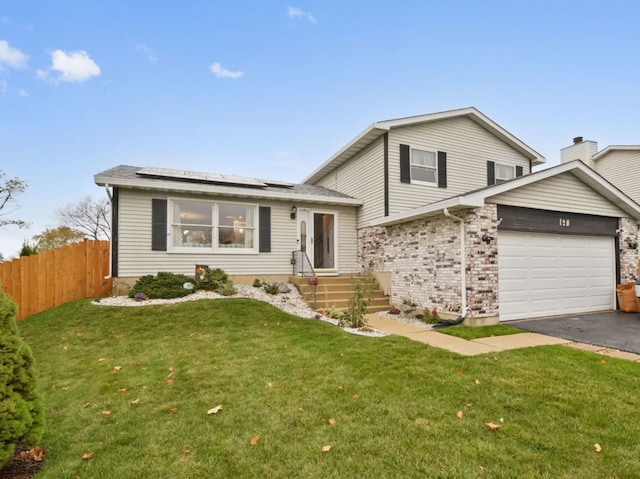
pixel 186 236
pixel 235 226
pixel 188 213
pixel 423 158
pixel 504 172
pixel 423 174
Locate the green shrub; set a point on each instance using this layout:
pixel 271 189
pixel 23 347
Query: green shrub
pixel 257 283
pixel 271 288
pixel 228 289
pixel 355 316
pixel 21 412
pixel 217 279
pixel 162 286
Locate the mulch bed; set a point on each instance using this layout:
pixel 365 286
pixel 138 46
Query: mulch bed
pixel 24 464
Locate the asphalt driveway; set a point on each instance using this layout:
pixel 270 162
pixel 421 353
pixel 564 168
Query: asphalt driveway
pixel 614 329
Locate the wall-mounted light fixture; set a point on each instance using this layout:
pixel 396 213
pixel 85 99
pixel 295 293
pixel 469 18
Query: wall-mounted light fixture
pixel 633 244
pixel 487 239
pixel 294 212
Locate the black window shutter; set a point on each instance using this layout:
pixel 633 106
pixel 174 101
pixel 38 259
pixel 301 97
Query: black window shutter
pixel 519 171
pixel 264 215
pixel 442 169
pixel 405 164
pixel 158 224
pixel 491 173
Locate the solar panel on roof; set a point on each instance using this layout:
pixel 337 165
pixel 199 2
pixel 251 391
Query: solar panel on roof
pixel 198 176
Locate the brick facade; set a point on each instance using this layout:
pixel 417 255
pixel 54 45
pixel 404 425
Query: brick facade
pixel 423 258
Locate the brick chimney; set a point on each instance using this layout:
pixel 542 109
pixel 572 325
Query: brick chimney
pixel 581 149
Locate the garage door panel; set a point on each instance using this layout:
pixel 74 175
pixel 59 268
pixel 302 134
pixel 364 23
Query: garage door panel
pixel 549 274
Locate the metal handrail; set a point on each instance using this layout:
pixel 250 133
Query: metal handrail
pixel 301 264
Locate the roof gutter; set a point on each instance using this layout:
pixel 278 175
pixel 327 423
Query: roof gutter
pixel 106 188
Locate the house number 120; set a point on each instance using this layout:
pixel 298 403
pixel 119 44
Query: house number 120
pixel 565 222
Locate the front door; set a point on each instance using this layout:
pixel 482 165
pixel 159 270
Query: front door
pixel 317 237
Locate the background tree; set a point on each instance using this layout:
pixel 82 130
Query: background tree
pixel 89 216
pixel 9 190
pixel 28 249
pixel 21 412
pixel 56 238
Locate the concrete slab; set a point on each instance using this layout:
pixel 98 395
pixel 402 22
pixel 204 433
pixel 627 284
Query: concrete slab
pixel 521 340
pixel 592 348
pixel 451 343
pixel 394 327
pixel 623 355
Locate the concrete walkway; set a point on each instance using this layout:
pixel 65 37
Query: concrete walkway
pixel 487 345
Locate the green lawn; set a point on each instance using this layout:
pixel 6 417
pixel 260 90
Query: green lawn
pixel 468 332
pixel 283 379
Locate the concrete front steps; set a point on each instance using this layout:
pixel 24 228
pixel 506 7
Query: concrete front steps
pixel 335 291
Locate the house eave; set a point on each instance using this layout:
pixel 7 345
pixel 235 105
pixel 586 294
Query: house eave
pixel 210 189
pixel 612 148
pixel 453 204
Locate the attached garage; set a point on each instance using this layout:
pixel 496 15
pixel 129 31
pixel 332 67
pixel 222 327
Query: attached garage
pixel 553 263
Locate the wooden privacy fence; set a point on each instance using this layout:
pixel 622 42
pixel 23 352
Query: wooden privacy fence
pixel 55 277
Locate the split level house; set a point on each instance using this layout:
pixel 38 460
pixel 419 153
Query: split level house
pixel 443 207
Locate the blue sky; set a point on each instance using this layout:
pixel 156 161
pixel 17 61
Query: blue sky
pixel 272 89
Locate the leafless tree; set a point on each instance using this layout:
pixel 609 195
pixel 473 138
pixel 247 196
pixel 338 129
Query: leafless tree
pixel 89 216
pixel 9 190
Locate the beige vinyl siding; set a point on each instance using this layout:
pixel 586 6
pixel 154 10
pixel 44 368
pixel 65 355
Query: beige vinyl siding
pixel 468 147
pixel 622 168
pixel 362 177
pixel 564 192
pixel 135 257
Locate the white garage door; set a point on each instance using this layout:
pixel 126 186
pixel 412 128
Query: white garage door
pixel 547 274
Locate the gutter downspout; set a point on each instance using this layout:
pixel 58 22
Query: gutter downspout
pixel 106 188
pixel 463 265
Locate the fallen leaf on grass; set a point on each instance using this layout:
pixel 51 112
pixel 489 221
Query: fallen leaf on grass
pixel 326 448
pixel 254 440
pixel 460 414
pixel 136 364
pixel 86 405
pixel 492 426
pixel 340 388
pixel 477 381
pixel 65 388
pixel 87 455
pixel 597 447
pixel 101 360
pixel 469 404
pixel 214 410
pixel 117 368
pixel 269 385
pixel 135 401
pixel 171 369
pixel 459 372
pixel 173 410
pixel 79 334
pixel 122 390
pixel 169 381
pixel 332 422
pixel 53 386
pixel 301 409
pixel 502 419
pixel 186 452
pixel 64 347
pixel 356 396
pixel 603 360
pixel 105 413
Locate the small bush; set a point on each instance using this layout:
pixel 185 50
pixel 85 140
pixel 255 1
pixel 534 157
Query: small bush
pixel 21 412
pixel 217 279
pixel 257 283
pixel 271 288
pixel 355 316
pixel 228 289
pixel 162 286
pixel 334 313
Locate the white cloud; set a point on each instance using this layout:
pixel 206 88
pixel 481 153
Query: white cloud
pixel 221 72
pixel 23 93
pixel 142 48
pixel 74 67
pixel 295 12
pixel 11 57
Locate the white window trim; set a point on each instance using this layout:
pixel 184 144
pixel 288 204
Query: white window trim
pixel 214 249
pixel 503 165
pixel 420 182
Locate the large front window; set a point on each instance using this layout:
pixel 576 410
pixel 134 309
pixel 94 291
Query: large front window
pixel 217 226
